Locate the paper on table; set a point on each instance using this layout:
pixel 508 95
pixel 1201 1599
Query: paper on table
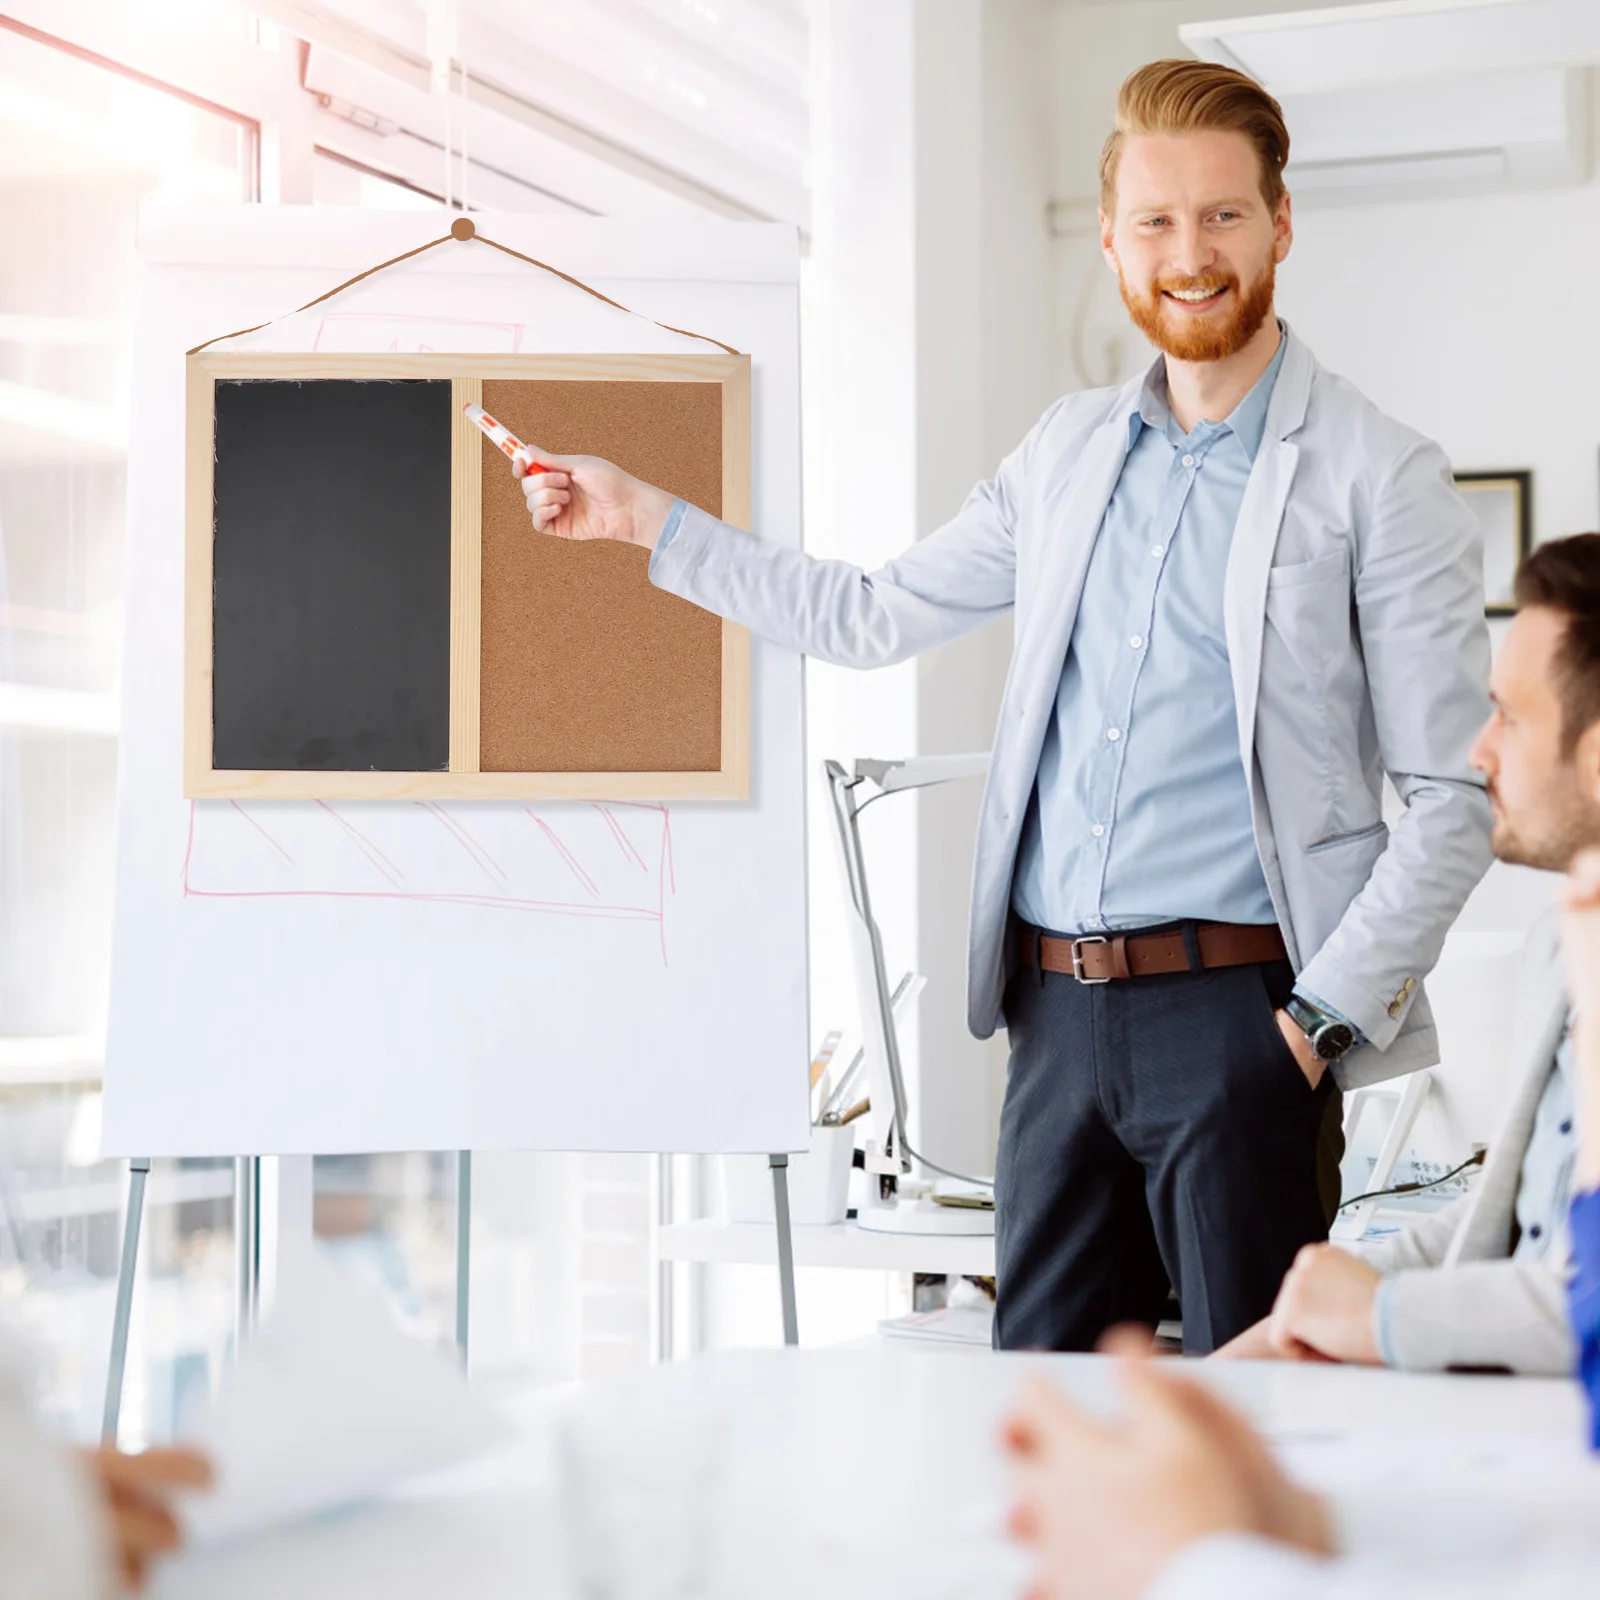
pixel 972 1325
pixel 328 1404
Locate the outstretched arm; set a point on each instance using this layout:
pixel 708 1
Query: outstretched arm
pixel 946 584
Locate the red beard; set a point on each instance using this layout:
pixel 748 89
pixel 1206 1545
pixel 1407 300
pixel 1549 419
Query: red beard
pixel 1211 338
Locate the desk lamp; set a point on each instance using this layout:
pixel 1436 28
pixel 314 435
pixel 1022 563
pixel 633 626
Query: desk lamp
pixel 888 1155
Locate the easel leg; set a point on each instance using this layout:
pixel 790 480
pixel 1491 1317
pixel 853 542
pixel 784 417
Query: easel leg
pixel 664 1282
pixel 246 1245
pixel 463 1249
pixel 138 1171
pixel 780 1213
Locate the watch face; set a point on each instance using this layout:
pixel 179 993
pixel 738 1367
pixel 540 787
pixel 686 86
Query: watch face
pixel 1333 1040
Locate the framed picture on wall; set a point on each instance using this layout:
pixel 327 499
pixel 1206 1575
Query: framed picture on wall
pixel 1503 505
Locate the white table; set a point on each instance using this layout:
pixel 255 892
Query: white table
pixel 877 1472
pixel 839 1244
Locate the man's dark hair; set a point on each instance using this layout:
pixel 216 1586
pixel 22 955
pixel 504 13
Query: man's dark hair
pixel 1564 576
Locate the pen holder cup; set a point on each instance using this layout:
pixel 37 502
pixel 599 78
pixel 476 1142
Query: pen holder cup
pixel 819 1182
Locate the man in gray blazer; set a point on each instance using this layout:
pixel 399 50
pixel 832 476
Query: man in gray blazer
pixel 1242 595
pixel 1482 1282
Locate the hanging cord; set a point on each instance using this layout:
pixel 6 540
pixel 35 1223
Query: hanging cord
pixel 463 229
pixel 933 1166
pixel 1476 1159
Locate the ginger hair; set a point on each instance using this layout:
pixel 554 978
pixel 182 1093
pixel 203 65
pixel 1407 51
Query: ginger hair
pixel 1194 97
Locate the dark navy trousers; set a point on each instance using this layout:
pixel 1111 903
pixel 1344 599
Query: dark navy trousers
pixel 1155 1130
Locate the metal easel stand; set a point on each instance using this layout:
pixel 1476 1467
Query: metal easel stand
pixel 246 1244
pixel 780 1218
pixel 247 1259
pixel 138 1172
pixel 463 1252
pixel 788 1303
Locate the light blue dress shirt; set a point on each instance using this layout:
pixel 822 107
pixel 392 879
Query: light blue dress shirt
pixel 1546 1183
pixel 1141 809
pixel 669 531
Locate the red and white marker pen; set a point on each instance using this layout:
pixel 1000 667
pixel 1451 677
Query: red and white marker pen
pixel 504 439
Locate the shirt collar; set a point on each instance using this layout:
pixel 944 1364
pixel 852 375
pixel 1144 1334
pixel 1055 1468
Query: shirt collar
pixel 1247 422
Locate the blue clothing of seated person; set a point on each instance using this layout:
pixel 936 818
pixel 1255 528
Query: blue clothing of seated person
pixel 1584 1301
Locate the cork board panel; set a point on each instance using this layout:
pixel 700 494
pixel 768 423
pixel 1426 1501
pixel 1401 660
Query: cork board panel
pixel 586 667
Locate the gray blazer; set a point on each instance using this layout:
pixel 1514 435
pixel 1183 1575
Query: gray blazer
pixel 1355 630
pixel 1458 1299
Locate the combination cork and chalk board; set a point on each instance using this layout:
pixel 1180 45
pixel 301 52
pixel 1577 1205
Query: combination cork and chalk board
pixel 369 613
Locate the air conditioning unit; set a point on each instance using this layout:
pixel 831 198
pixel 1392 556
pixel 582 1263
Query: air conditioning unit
pixel 1395 98
pixel 1473 134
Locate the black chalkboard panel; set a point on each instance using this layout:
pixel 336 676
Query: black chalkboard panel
pixel 331 587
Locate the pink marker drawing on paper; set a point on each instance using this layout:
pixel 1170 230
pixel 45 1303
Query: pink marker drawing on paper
pixel 354 332
pixel 577 862
pixel 566 855
pixel 262 831
pixel 624 843
pixel 474 850
pixel 366 846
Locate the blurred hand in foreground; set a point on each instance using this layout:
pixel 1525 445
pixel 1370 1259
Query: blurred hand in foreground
pixel 1106 1506
pixel 137 1493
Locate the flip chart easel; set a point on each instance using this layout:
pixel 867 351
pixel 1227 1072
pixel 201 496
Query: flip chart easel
pixel 275 989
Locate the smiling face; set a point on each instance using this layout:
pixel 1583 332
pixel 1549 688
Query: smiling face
pixel 1542 783
pixel 1194 242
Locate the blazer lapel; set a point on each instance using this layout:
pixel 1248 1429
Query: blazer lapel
pixel 1255 537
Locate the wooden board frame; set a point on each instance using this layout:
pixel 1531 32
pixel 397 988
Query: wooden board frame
pixel 463 780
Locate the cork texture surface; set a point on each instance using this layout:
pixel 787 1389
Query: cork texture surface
pixel 586 667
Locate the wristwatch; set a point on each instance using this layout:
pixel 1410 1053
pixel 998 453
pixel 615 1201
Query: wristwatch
pixel 1329 1037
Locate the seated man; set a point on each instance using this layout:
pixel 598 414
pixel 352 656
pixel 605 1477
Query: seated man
pixel 1481 1283
pixel 1182 1500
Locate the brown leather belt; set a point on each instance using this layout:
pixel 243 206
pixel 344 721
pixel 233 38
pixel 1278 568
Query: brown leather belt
pixel 1098 958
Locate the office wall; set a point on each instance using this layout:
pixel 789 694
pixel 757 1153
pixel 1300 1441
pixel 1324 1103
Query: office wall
pixel 930 337
pixel 986 371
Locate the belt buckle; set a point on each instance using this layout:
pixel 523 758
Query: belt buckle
pixel 1077 957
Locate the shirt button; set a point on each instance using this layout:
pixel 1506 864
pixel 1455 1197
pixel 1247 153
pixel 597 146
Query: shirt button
pixel 1097 830
pixel 1188 461
pixel 1158 550
pixel 1137 641
pixel 1113 734
pixel 1566 1126
pixel 1535 1231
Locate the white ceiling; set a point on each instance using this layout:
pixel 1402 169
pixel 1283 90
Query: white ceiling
pixel 705 97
